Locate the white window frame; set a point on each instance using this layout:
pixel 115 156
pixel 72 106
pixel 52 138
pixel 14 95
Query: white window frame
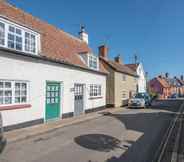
pixel 95 90
pixel 3 34
pixel 13 92
pixel 93 58
pixel 8 23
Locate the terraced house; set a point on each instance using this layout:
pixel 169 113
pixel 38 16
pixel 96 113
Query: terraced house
pixel 122 81
pixel 46 73
pixel 165 87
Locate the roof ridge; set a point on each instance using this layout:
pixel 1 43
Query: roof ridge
pixel 41 20
pixel 111 62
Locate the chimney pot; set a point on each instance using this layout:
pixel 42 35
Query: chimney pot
pixel 103 51
pixel 160 76
pixel 83 35
pixel 118 59
pixel 167 75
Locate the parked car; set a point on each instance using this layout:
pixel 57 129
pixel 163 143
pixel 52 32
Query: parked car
pixel 2 139
pixel 175 95
pixel 140 100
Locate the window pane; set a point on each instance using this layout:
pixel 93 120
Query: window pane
pixel 15 38
pixel 7 84
pixel 1 100
pixel 30 42
pixel 17 99
pixel 17 85
pixel 11 44
pixel 1 93
pixel 8 93
pixel 1 85
pixel 8 100
pixel 18 31
pixel 11 40
pixel 23 93
pixel 18 43
pixel 24 86
pixel 23 99
pixel 11 37
pixel 17 93
pixel 11 29
pixel 2 34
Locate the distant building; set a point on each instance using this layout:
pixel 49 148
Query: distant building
pixel 141 82
pixel 121 81
pixel 160 86
pixel 165 86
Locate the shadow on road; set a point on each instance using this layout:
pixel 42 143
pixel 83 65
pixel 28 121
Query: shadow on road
pixel 144 148
pixel 98 142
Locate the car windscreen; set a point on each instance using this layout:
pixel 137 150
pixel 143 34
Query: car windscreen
pixel 139 95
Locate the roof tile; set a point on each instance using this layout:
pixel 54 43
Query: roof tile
pixel 55 43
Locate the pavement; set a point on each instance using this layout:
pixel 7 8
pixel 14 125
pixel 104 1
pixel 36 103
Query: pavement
pixel 28 132
pixel 130 135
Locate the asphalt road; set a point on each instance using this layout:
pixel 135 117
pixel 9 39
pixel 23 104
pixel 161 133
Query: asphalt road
pixel 127 135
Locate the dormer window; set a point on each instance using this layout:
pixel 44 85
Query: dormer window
pixel 93 62
pixel 15 38
pixel 90 60
pixel 30 42
pixel 18 38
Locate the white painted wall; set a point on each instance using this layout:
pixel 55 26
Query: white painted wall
pixel 38 72
pixel 141 79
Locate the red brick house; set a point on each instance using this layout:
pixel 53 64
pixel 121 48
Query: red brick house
pixel 165 86
pixel 160 86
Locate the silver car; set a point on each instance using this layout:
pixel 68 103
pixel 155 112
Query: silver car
pixel 141 100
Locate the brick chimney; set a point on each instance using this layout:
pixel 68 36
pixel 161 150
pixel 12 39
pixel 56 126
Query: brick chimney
pixel 118 59
pixel 103 51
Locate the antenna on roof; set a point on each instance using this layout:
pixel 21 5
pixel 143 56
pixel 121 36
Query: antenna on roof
pixel 135 57
pixel 106 39
pixel 82 27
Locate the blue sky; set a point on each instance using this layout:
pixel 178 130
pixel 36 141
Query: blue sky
pixel 154 29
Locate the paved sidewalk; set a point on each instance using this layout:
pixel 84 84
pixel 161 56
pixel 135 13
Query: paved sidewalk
pixel 24 133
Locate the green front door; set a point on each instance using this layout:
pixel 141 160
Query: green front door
pixel 52 100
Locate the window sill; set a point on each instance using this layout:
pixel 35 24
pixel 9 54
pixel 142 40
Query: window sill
pixel 94 98
pixel 14 107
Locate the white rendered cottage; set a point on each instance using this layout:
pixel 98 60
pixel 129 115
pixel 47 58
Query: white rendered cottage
pixel 141 82
pixel 45 73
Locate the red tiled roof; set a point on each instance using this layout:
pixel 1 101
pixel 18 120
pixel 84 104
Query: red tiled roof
pixel 119 67
pixel 133 66
pixel 180 81
pixel 55 43
pixel 163 82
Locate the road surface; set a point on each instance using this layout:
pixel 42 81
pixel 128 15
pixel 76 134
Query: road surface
pixel 130 135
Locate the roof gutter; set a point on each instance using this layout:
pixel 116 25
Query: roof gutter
pixel 44 58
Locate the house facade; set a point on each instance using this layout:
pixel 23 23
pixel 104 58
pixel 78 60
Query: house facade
pixel 165 86
pixel 141 81
pixel 46 74
pixel 160 86
pixel 121 81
